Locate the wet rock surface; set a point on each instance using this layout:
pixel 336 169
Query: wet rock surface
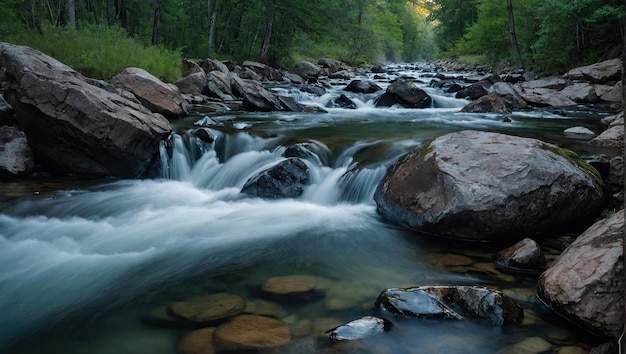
pixel 16 156
pixel 284 180
pixel 252 332
pixel 525 256
pixel 364 327
pixel 290 287
pixel 486 186
pixel 590 292
pixel 198 342
pixel 484 305
pixel 209 308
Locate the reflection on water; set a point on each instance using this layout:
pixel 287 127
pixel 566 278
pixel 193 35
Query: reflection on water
pixel 85 269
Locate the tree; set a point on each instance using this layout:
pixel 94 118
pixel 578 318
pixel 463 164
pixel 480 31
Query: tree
pixel 514 46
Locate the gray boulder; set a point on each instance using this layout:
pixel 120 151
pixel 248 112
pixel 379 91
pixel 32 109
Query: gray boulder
pixel 74 126
pixel 153 93
pixel 192 84
pixel 255 96
pixel 16 157
pixel 360 86
pixel 209 65
pixel 599 73
pixel 613 136
pixel 482 304
pixel 219 86
pixel 306 69
pixel 581 92
pixel 484 186
pixel 507 92
pixel 364 327
pixel 586 282
pixel 6 111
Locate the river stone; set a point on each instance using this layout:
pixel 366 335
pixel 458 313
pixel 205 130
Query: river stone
pixel 580 92
pixel 358 329
pixel 487 104
pixel 209 308
pixel 532 345
pixel 255 96
pixel 198 342
pixel 306 69
pixel 16 156
pixel 252 332
pixel 579 130
pixel 508 93
pixel 449 260
pixel 192 84
pixel 283 180
pixel 153 93
pixel 590 292
pixel 472 92
pixel 290 286
pixel 360 86
pixel 524 256
pixel 485 305
pixel 598 73
pixel 74 126
pixel 190 67
pixel 209 65
pixel 408 94
pixel 613 136
pixel 484 186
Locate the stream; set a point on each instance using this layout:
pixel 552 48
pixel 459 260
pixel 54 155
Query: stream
pixel 86 263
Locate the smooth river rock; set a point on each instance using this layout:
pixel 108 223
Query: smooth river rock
pixel 286 179
pixel 586 282
pixel 252 332
pixel 74 126
pixel 487 306
pixel 290 286
pixel 525 256
pixel 198 342
pixel 16 156
pixel 483 186
pixel 209 308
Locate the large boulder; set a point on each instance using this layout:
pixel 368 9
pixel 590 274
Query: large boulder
pixel 407 94
pixel 599 73
pixel 487 104
pixel 586 282
pixel 255 96
pixel 192 84
pixel 306 69
pixel 6 111
pixel 613 136
pixel 16 156
pixel 485 186
pixel 360 86
pixel 508 93
pixel 153 93
pixel 482 304
pixel 74 126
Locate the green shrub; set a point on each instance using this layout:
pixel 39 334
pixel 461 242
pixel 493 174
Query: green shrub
pixel 101 52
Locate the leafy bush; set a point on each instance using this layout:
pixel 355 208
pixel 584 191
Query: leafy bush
pixel 100 52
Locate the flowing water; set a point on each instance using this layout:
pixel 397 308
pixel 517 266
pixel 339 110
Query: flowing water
pixel 85 266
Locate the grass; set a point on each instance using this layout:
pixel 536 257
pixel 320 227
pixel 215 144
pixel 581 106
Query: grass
pixel 100 52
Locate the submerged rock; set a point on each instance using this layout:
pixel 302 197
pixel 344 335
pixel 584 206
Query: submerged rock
pixel 252 332
pixel 290 287
pixel 485 186
pixel 209 308
pixel 358 329
pixel 585 283
pixel 284 180
pixel 198 342
pixel 485 305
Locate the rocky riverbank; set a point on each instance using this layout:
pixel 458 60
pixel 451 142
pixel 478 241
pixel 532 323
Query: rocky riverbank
pixel 466 185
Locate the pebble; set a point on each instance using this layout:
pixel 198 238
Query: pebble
pixel 198 342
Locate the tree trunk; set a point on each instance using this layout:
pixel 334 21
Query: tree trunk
pixel 69 13
pixel 356 43
pixel 111 12
pixel 267 37
pixel 212 18
pixel 622 339
pixel 514 46
pixel 120 13
pixel 156 23
pixel 253 42
pixel 225 34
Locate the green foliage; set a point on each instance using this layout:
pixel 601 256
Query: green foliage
pixel 101 52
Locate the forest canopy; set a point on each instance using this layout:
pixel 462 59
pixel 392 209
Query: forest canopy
pixel 550 35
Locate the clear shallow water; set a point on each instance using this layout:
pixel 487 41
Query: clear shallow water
pixel 83 266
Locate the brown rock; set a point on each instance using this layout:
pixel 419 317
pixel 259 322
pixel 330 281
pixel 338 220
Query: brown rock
pixel 75 126
pixel 586 283
pixel 487 104
pixel 209 308
pixel 291 286
pixel 153 93
pixel 252 332
pixel 524 256
pixel 198 342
